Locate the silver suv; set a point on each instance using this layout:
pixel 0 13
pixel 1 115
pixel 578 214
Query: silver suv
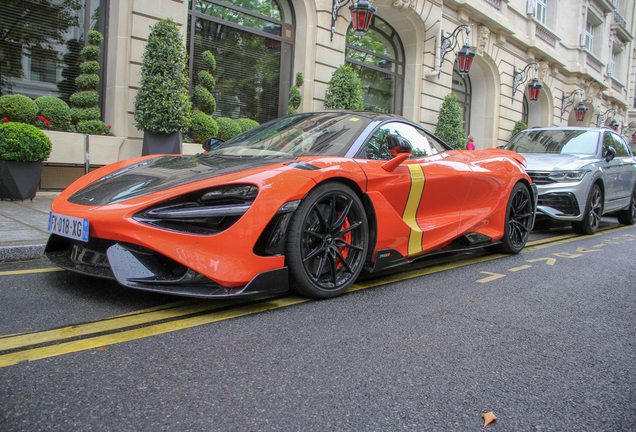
pixel 581 174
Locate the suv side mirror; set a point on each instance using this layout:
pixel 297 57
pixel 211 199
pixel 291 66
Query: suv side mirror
pixel 610 154
pixel 211 143
pixel 398 144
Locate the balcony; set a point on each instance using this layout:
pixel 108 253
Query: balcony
pixel 620 26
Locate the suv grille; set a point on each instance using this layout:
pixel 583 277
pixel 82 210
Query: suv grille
pixel 540 178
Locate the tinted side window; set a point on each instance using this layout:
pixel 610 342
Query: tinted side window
pixel 608 142
pixel 621 148
pixel 376 147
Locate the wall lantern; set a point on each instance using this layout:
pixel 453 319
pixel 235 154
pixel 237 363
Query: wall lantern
pixel 625 129
pixel 521 75
pixel 614 125
pixel 448 44
pixel 361 13
pixel 273 29
pixel 600 118
pixel 634 138
pixel 566 101
pixel 386 65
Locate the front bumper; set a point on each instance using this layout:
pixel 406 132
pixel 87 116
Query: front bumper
pixel 144 269
pixel 563 201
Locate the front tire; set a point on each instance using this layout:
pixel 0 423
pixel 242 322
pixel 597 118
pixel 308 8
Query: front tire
pixel 518 221
pixel 593 212
pixel 327 241
pixel 628 216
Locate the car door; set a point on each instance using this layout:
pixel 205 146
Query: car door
pixel 611 171
pixel 626 171
pixel 426 191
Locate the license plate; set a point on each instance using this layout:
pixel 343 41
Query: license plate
pixel 68 226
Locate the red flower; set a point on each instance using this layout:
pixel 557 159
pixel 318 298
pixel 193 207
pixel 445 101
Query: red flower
pixel 47 122
pixel 70 123
pixel 108 126
pixel 6 120
pixel 42 118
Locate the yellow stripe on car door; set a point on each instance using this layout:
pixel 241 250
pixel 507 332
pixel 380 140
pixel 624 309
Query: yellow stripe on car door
pixel 410 211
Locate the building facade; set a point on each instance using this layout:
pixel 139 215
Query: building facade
pixel 583 50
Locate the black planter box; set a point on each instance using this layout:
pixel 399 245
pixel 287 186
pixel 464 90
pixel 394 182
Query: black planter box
pixel 161 143
pixel 19 180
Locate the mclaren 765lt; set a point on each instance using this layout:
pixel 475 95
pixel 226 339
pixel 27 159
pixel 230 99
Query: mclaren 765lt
pixel 305 202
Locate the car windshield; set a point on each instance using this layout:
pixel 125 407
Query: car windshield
pixel 324 134
pixel 555 141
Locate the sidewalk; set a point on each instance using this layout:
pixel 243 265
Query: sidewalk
pixel 23 227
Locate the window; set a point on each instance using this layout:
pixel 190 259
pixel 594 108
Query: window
pixel 41 42
pixel 378 57
pixel 423 145
pixel 540 11
pixel 589 37
pixel 622 150
pixel 252 42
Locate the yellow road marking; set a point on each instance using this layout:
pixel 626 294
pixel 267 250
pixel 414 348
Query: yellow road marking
pixel 548 261
pixel 516 269
pixel 567 255
pixel 156 329
pixel 494 276
pixel 43 270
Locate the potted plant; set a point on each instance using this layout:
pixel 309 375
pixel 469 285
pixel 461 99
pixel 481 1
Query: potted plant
pixel 203 126
pixel 162 106
pixel 519 126
pixel 345 90
pixel 22 149
pixel 450 125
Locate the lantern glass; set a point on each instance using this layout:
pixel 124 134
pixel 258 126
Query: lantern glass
pixel 534 88
pixel 580 111
pixel 465 59
pixel 614 125
pixel 634 138
pixel 361 14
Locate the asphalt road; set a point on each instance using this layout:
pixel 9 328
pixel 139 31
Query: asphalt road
pixel 544 339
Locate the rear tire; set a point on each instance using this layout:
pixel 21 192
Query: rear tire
pixel 518 221
pixel 327 241
pixel 593 212
pixel 628 216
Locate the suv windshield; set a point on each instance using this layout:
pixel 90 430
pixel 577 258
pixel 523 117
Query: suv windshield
pixel 324 134
pixel 564 141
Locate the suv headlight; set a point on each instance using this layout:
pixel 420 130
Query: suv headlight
pixel 567 176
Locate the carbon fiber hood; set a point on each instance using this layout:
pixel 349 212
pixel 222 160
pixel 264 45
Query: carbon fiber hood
pixel 161 173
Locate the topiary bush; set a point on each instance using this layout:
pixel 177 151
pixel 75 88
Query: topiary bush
pixel 162 103
pixel 345 90
pixel 519 126
pixel 203 99
pixel 23 143
pixel 246 124
pixel 228 128
pixel 450 126
pixel 18 108
pixel 295 97
pixel 55 111
pixel 85 109
pixel 203 126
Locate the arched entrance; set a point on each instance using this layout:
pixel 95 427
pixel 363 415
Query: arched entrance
pixel 253 43
pixel 463 88
pixel 378 57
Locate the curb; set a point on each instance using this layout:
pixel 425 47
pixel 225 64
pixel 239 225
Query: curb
pixel 21 253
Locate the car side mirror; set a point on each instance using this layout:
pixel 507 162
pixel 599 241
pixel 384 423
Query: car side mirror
pixel 398 144
pixel 211 143
pixel 610 154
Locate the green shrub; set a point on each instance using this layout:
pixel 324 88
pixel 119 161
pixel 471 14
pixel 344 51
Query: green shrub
pixel 90 52
pixel 95 38
pixel 450 126
pixel 246 124
pixel 89 67
pixel 203 126
pixel 162 103
pixel 24 143
pixel 85 99
pixel 204 101
pixel 295 97
pixel 228 128
pixel 93 127
pixel 203 98
pixel 83 114
pixel 519 126
pixel 18 108
pixel 54 110
pixel 345 90
pixel 87 82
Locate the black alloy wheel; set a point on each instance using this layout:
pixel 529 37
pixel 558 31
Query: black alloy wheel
pixel 593 212
pixel 628 216
pixel 518 221
pixel 327 241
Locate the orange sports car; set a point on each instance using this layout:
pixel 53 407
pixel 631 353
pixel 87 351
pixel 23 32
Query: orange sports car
pixel 305 202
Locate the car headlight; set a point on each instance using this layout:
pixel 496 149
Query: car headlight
pixel 567 176
pixel 208 211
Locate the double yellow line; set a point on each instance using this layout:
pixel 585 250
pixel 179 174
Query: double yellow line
pixel 191 313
